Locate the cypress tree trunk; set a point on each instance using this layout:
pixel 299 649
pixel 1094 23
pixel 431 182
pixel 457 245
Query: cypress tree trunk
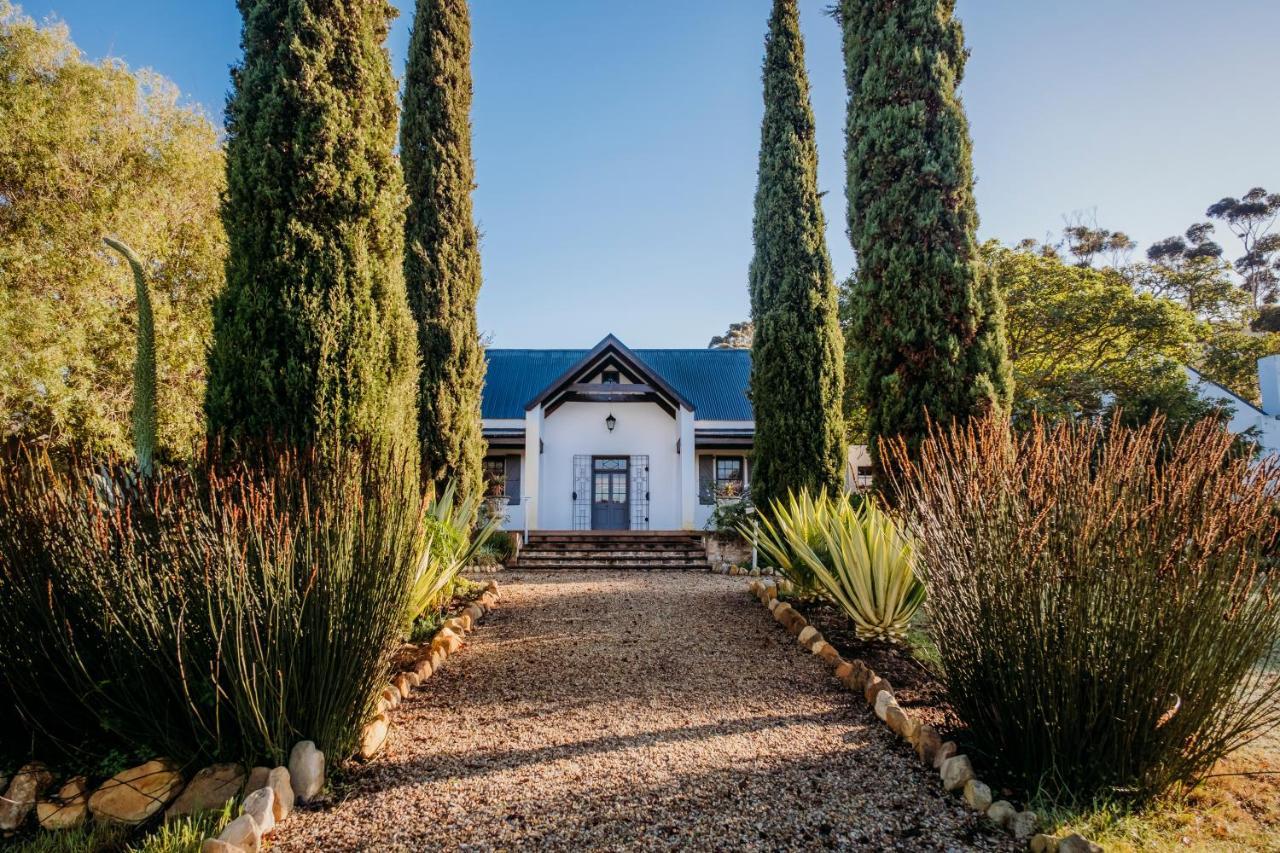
pixel 927 320
pixel 797 371
pixel 313 339
pixel 442 258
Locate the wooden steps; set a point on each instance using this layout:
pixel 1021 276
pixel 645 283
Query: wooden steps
pixel 611 550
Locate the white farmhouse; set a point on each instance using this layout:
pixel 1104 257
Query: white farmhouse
pixel 616 439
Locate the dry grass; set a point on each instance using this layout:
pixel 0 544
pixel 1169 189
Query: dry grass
pixel 1236 809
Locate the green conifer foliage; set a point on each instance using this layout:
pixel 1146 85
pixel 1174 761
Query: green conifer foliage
pixel 927 320
pixel 797 372
pixel 313 339
pixel 442 257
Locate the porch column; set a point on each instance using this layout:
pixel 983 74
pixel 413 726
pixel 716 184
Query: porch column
pixel 532 464
pixel 688 468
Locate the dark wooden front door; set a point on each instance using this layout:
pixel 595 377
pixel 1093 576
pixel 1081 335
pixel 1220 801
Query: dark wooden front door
pixel 610 493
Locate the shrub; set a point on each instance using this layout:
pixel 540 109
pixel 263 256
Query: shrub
pixel 801 519
pixel 1096 600
pixel 851 553
pixel 502 545
pixel 224 614
pixel 733 517
pixel 454 534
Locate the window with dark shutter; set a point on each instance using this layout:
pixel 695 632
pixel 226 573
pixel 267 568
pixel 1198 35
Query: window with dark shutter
pixel 707 480
pixel 495 476
pixel 513 478
pixel 729 476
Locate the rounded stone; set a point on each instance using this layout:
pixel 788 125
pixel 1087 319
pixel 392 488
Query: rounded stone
pixel 306 770
pixel 897 720
pixel 977 795
pixel 280 784
pixel 260 805
pixel 374 736
pixel 944 752
pixel 134 795
pixel 875 684
pixel 209 789
pixel 242 834
pixel 1023 824
pixel 68 810
pixel 956 771
pixel 1000 812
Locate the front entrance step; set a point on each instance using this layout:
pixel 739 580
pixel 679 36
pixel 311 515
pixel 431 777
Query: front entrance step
pixel 610 549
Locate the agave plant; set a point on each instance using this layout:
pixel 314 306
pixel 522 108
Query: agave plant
pixel 855 556
pixel 868 570
pixel 452 538
pixel 801 519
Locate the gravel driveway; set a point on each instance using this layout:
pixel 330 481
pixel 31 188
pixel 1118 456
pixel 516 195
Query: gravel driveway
pixel 636 710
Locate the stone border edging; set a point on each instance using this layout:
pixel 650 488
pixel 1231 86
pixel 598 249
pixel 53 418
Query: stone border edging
pixel 742 571
pixel 429 659
pixel 260 810
pixel 955 770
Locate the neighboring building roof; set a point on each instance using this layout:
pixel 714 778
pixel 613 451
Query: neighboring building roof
pixel 1223 392
pixel 714 380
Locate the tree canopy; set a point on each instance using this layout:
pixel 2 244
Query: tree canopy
pixel 927 320
pixel 1078 335
pixel 442 246
pixel 89 150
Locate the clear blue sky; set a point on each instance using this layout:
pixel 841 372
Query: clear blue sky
pixel 616 142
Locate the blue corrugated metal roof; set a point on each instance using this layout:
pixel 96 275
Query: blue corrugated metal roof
pixel 714 380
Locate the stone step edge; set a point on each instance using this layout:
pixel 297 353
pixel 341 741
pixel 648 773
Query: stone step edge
pixel 955 770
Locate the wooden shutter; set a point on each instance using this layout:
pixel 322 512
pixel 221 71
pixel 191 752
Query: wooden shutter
pixel 707 480
pixel 513 479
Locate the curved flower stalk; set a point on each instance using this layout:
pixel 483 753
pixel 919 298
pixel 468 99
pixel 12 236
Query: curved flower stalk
pixel 144 367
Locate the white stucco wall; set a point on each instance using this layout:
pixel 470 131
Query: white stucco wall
pixel 579 428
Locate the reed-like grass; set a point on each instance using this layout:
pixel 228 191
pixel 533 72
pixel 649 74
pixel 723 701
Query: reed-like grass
pixel 1096 599
pixel 227 613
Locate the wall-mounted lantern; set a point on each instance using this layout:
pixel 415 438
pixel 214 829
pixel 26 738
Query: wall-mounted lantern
pixel 611 422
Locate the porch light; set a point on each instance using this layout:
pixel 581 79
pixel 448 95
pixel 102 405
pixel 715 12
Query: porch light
pixel 611 422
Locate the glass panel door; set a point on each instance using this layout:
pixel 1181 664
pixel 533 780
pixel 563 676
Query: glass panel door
pixel 610 490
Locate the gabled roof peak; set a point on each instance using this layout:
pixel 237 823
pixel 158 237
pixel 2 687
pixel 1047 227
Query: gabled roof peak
pixel 610 349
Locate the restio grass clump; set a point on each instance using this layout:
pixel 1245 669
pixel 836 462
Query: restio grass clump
pixel 1103 624
pixel 223 613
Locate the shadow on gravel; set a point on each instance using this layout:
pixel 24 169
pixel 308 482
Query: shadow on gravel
pixel 444 765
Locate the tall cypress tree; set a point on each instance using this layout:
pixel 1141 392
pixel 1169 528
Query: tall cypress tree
pixel 313 339
pixel 927 319
pixel 797 370
pixel 442 258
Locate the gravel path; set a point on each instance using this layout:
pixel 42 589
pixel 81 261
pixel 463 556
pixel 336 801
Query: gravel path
pixel 636 711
